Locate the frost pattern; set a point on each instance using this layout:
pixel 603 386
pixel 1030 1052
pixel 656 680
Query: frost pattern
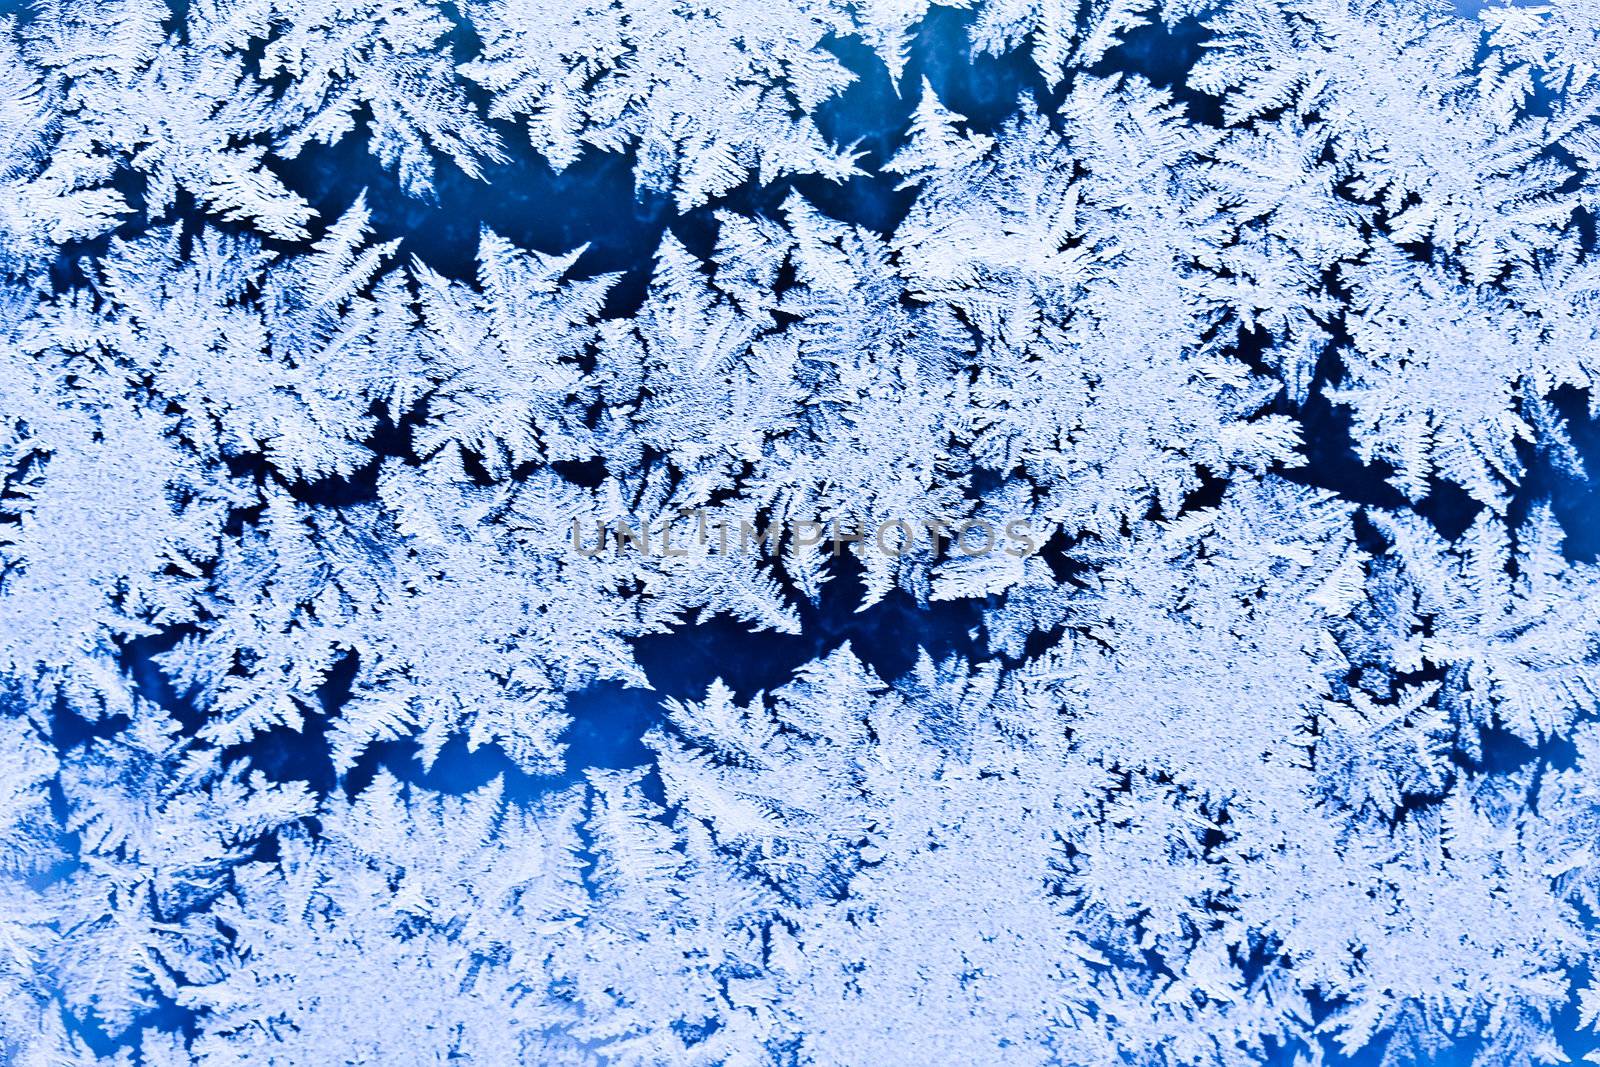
pixel 1279 746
